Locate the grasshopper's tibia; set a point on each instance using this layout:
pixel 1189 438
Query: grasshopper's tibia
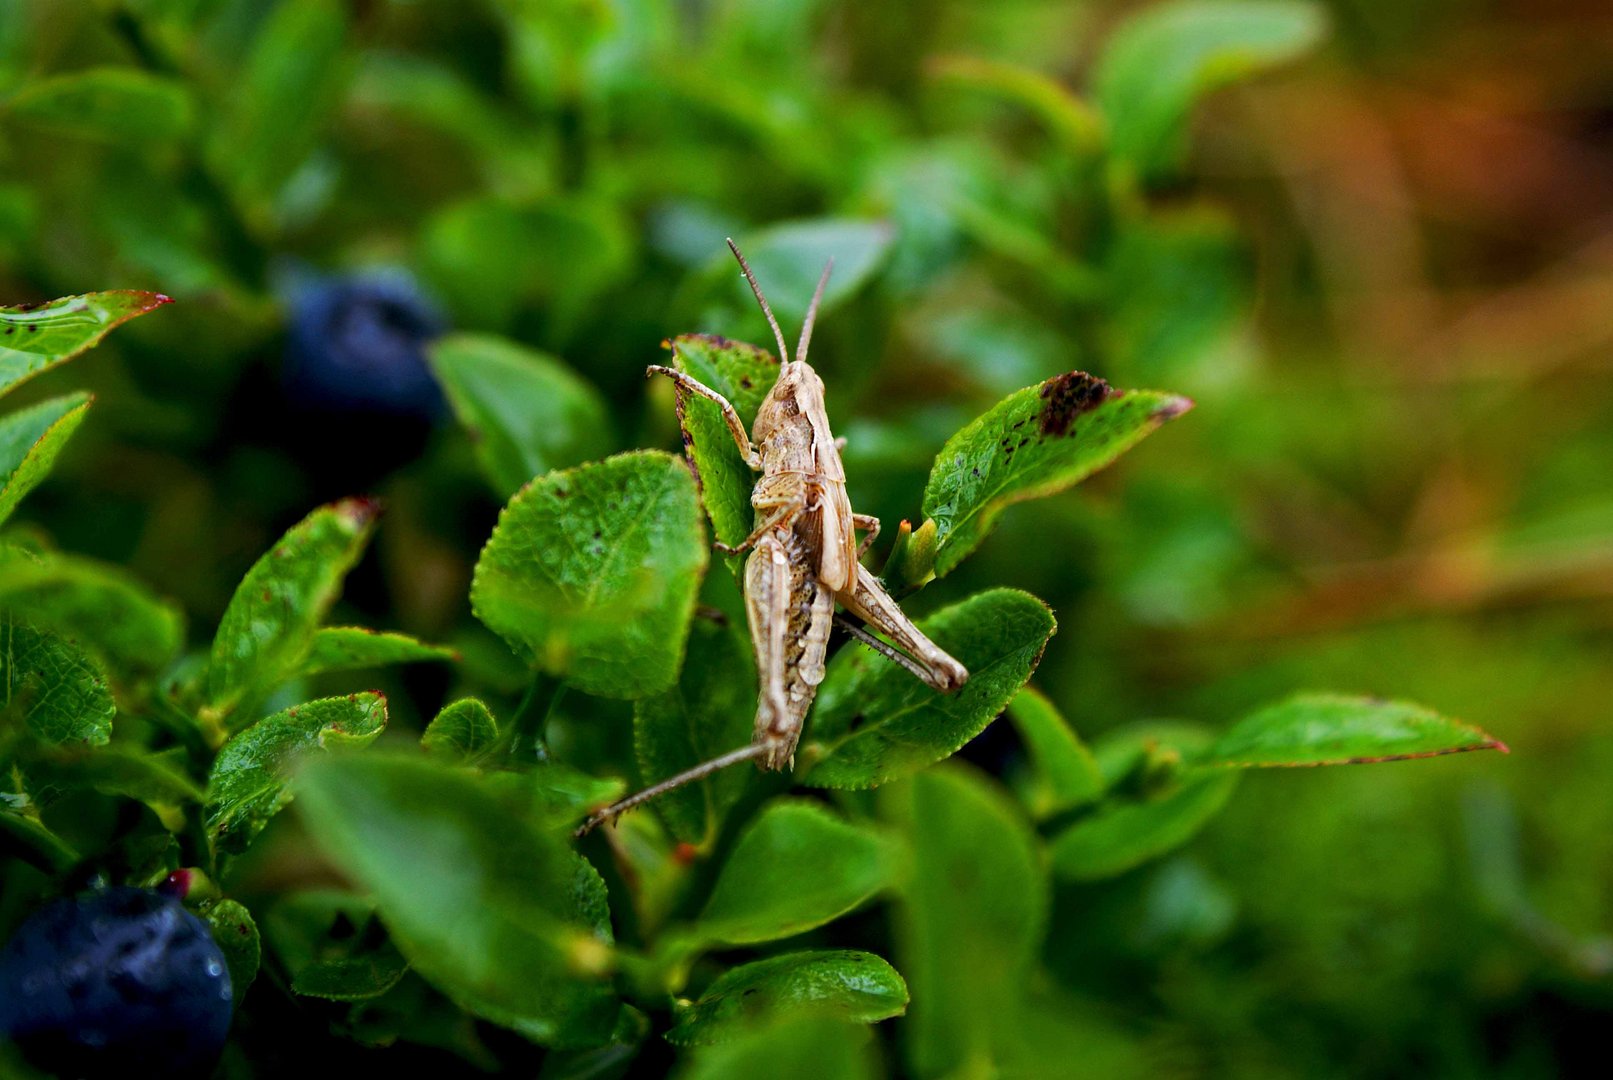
pixel 730 415
pixel 671 783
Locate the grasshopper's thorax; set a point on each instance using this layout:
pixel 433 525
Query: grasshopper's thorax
pixel 792 428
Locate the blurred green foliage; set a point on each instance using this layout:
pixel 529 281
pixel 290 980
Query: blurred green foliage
pixel 1368 240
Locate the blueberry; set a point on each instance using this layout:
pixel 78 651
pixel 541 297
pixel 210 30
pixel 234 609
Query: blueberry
pixel 123 982
pixel 356 343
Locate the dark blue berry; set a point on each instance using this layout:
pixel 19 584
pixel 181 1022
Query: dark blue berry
pixel 356 343
pixel 120 982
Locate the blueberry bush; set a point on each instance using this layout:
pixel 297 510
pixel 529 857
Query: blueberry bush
pixel 377 566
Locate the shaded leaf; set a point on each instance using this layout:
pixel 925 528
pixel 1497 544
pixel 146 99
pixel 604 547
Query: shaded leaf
pixel 271 620
pixel 280 97
pixel 1035 442
pixel 971 917
pixel 367 973
pixel 709 712
pixel 30 441
pixel 157 778
pixel 1336 729
pixel 237 936
pixel 251 777
pixel 113 104
pixel 98 604
pixel 503 917
pixel 592 573
pixel 1161 61
pixel 34 337
pixel 1064 773
pixel 743 374
pixel 1153 805
pixel 525 412
pixel 795 867
pixel 345 648
pixel 875 722
pixel 461 730
pixel 799 1047
pixel 53 686
pixel 24 836
pixel 840 983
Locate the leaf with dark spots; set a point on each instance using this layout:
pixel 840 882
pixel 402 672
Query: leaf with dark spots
pixel 34 337
pixel 1080 425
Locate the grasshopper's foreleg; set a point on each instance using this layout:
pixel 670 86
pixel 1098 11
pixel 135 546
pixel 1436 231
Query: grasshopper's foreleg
pixel 867 599
pixel 730 415
pixel 785 495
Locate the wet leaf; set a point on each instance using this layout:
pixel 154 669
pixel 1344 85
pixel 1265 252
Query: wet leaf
pixel 1036 442
pixel 501 916
pixel 709 712
pixel 875 722
pixel 1336 729
pixel 460 731
pixel 525 411
pixel 743 374
pixel 101 606
pixel 54 687
pixel 30 441
pixel 251 777
pixel 1167 57
pixel 270 623
pixel 345 648
pixel 237 936
pixel 1064 774
pixel 971 917
pixel 840 983
pixel 592 573
pixel 795 867
pixel 38 336
pixel 111 104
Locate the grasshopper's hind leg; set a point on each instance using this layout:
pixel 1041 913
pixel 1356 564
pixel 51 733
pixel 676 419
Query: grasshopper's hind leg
pixel 867 599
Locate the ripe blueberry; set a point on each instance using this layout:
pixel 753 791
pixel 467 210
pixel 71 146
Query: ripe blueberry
pixel 117 982
pixel 356 343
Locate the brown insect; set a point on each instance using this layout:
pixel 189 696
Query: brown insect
pixel 804 560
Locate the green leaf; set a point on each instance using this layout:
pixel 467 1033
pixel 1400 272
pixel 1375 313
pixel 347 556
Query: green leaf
pixel 1336 729
pixel 97 604
pixel 875 722
pixel 1161 61
pixel 334 946
pixel 1035 442
pixel 525 412
pixel 34 337
pixel 796 867
pixel 31 440
pixel 788 259
pixel 345 648
pixel 1072 122
pixel 501 916
pixel 799 1047
pixel 971 917
pixel 460 731
pixel 743 374
pixel 51 683
pixel 24 836
pixel 709 712
pixel 592 573
pixel 112 104
pixel 237 937
pixel 1153 804
pixel 278 100
pixel 840 983
pixel 270 622
pixel 1064 773
pixel 157 778
pixel 250 779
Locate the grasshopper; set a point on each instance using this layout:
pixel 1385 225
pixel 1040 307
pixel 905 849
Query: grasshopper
pixel 804 559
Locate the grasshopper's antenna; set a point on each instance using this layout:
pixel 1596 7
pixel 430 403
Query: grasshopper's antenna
pixel 783 350
pixel 812 312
